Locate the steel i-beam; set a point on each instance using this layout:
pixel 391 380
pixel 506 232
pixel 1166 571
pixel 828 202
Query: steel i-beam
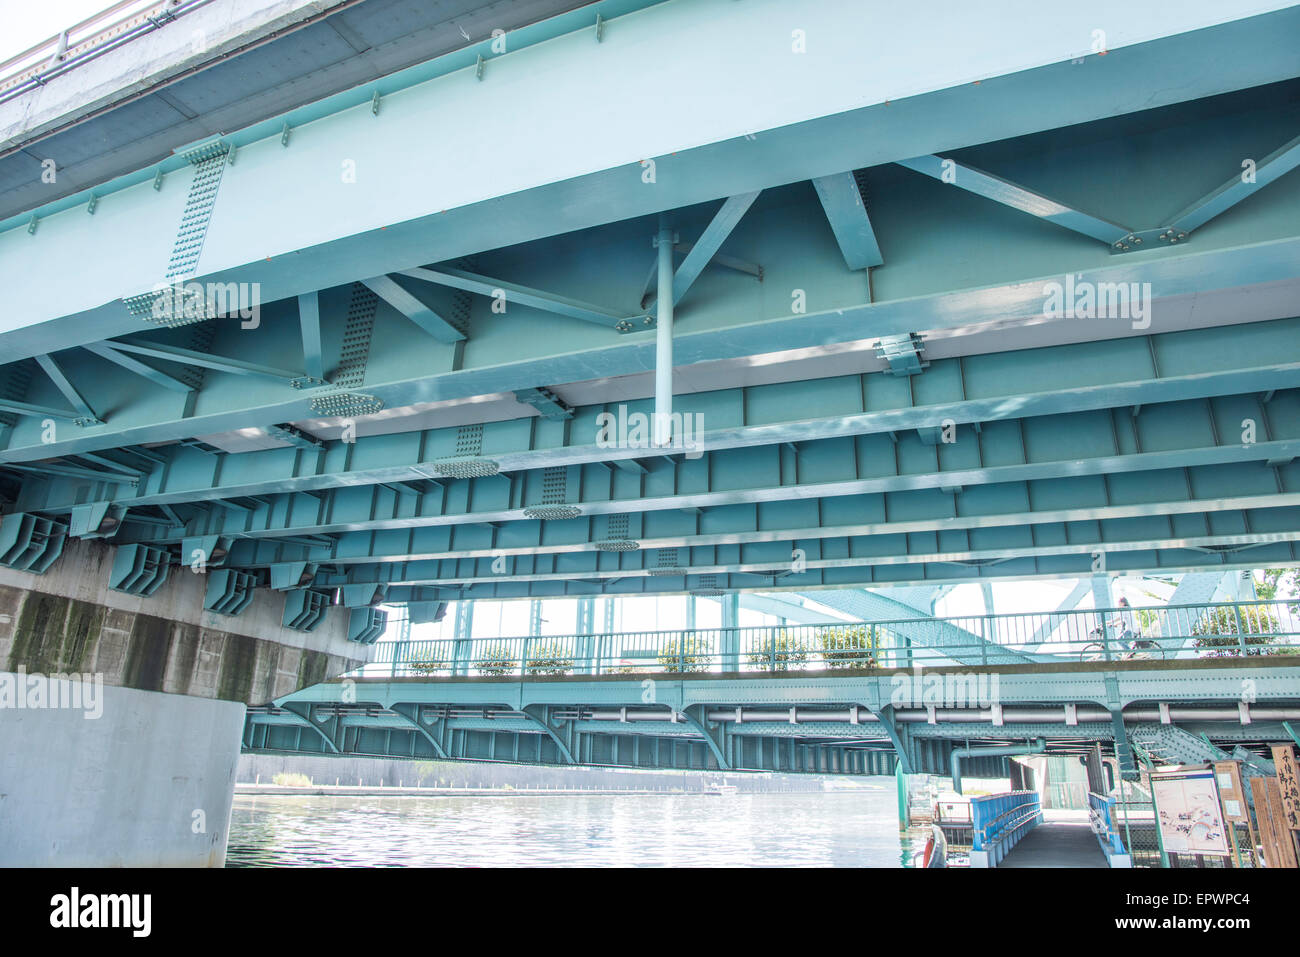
pixel 664 337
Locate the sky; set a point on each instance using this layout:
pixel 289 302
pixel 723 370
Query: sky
pixel 24 24
pixel 559 616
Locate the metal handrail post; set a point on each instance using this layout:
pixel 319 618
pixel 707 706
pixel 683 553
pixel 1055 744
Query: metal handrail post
pixel 1241 637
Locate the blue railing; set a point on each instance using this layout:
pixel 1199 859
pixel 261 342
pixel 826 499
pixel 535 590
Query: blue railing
pixel 999 821
pixel 1108 634
pixel 1101 812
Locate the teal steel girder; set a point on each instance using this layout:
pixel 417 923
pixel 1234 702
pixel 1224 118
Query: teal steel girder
pixel 1255 527
pixel 1168 560
pixel 920 744
pixel 803 136
pixel 447 362
pixel 597 248
pixel 1169 436
pixel 183 474
pixel 1108 685
pixel 1123 365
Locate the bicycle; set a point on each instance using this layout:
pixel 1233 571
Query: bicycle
pixel 1096 649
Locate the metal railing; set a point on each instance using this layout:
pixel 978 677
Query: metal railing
pixel 118 24
pixel 999 821
pixel 1101 812
pixel 1157 633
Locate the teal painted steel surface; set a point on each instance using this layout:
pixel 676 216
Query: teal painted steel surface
pixel 414 407
pixel 486 720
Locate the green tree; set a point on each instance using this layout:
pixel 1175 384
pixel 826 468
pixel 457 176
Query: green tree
pixel 847 646
pixel 1284 580
pixel 687 653
pixel 1219 632
pixel 548 658
pixel 778 652
pixel 496 660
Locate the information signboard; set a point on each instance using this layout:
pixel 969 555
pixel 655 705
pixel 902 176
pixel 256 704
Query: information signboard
pixel 1188 812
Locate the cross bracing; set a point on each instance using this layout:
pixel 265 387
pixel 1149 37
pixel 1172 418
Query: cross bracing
pixel 978 332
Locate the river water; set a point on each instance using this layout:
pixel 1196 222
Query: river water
pixel 856 828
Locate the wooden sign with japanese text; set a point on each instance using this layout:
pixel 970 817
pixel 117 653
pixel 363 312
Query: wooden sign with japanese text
pixel 1288 781
pixel 1275 837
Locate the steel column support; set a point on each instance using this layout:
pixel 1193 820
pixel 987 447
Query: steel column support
pixel 1123 749
pixel 664 336
pixel 309 320
pixel 731 631
pixel 464 637
pixel 1101 594
pixel 586 642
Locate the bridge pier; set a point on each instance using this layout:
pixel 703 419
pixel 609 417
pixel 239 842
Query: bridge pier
pixel 149 783
pixel 122 715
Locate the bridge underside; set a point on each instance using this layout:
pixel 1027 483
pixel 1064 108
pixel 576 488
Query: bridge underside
pixel 660 298
pixel 895 358
pixel 862 724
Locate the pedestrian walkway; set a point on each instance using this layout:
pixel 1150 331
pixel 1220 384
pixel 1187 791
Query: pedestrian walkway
pixel 1064 839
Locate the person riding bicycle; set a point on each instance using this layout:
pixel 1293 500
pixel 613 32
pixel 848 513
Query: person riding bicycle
pixel 1124 621
pixel 1129 638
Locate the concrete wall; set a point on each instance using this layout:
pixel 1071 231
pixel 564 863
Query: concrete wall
pixel 68 620
pixel 147 783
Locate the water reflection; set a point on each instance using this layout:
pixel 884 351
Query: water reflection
pixel 846 829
